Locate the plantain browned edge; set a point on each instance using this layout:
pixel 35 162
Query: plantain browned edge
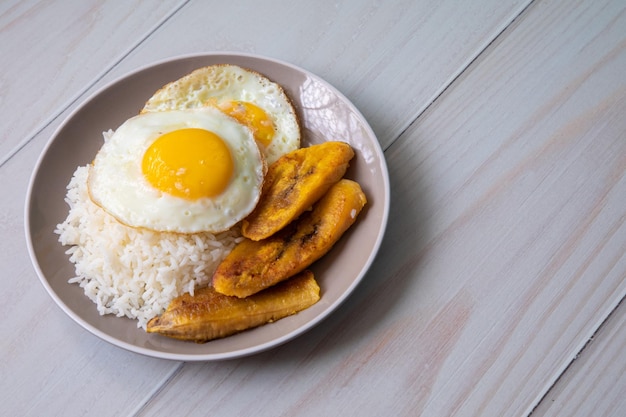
pixel 255 265
pixel 293 184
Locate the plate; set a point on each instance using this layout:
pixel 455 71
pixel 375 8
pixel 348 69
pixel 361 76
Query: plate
pixel 325 114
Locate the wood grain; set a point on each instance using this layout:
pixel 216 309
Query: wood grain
pixel 594 384
pixel 53 51
pixel 391 59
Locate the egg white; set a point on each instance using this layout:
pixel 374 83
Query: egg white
pixel 234 83
pixel 117 184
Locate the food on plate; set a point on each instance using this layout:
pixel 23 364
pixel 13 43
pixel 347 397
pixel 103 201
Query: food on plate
pixel 252 266
pixel 243 94
pixel 155 220
pixel 183 171
pixel 210 315
pixel 175 220
pixel 293 183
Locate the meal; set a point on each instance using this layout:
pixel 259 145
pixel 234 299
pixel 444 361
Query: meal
pixel 200 216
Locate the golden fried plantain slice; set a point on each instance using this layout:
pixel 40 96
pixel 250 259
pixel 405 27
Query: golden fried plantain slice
pixel 293 183
pixel 209 315
pixel 255 265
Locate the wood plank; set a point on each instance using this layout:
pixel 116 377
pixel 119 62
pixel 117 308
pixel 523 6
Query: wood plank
pixel 500 260
pixel 58 49
pixel 594 384
pixel 370 51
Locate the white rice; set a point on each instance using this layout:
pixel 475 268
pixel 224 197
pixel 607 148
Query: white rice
pixel 134 272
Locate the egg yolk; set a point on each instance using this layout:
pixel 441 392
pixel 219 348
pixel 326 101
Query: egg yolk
pixel 253 117
pixel 189 163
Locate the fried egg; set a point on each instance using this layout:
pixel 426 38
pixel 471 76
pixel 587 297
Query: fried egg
pixel 249 97
pixel 183 171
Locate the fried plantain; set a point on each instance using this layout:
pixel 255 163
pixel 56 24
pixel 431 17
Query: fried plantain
pixel 255 265
pixel 209 315
pixel 293 183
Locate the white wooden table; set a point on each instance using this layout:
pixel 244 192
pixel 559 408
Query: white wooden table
pixel 498 285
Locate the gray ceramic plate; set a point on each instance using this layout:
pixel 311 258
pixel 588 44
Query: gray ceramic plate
pixel 325 114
